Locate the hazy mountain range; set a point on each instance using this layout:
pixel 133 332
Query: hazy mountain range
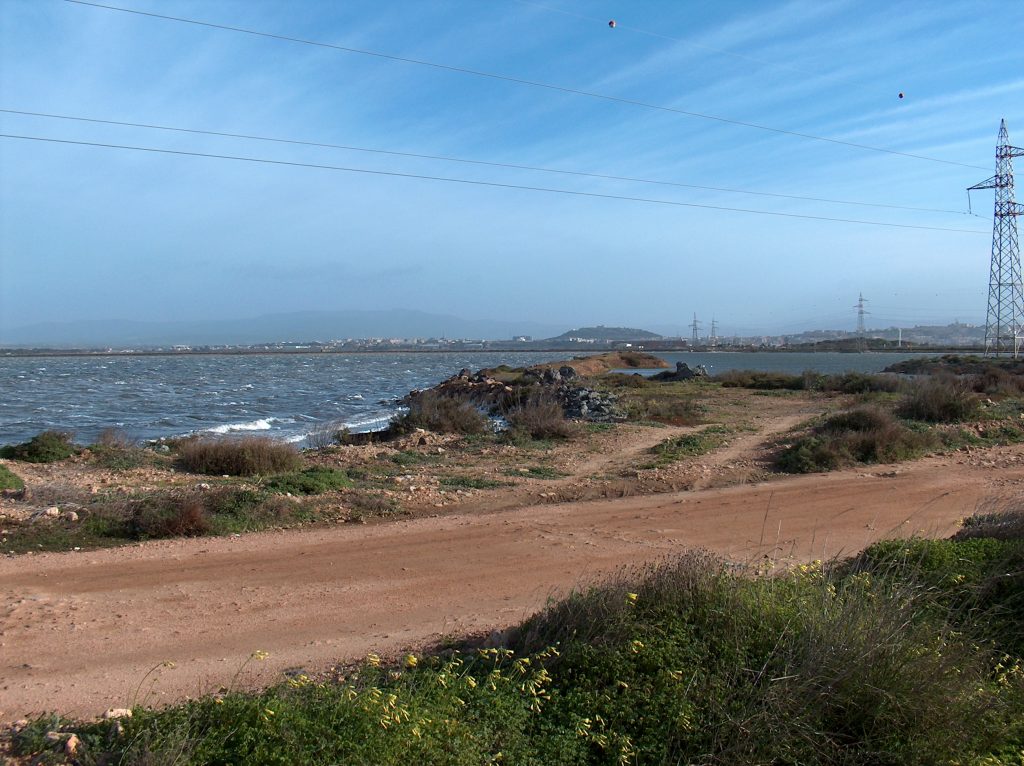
pixel 270 328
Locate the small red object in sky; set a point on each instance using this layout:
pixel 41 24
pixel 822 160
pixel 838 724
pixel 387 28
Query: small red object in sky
pixel 612 23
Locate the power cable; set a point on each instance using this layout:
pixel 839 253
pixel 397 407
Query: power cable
pixel 522 81
pixel 494 184
pixel 507 165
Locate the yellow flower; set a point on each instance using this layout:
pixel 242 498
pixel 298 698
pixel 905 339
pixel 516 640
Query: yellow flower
pixel 636 646
pixel 631 598
pixel 411 661
pixel 373 660
pixel 259 655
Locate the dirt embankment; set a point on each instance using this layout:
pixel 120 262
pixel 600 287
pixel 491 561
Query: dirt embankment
pixel 613 360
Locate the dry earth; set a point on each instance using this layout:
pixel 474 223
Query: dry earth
pixel 80 632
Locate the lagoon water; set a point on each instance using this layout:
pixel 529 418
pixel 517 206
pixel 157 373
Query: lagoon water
pixel 284 396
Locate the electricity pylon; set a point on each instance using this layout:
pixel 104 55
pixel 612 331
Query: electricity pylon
pixel 696 328
pixel 861 300
pixel 1003 324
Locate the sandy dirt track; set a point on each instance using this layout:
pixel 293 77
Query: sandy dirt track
pixel 79 631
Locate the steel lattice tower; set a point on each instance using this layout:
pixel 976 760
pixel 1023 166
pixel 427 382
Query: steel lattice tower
pixel 1005 320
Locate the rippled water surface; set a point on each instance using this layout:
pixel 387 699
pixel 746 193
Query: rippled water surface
pixel 284 396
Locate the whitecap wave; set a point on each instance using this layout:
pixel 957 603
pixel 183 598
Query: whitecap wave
pixel 263 424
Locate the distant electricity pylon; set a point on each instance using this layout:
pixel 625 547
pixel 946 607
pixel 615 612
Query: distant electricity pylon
pixel 861 300
pixel 695 326
pixel 714 333
pixel 1003 324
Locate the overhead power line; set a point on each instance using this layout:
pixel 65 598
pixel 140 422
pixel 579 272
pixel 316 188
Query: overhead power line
pixel 494 184
pixel 522 81
pixel 506 165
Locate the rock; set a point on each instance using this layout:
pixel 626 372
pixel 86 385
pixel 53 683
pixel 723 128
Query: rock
pixel 202 485
pixel 567 372
pixel 70 515
pixel 117 712
pixel 53 512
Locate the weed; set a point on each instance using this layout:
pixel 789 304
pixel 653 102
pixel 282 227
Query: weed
pixel 238 457
pixel 46 447
pixel 169 516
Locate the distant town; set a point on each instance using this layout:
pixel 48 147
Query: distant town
pixel 954 337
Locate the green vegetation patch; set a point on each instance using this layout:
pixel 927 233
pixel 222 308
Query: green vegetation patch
pixel 311 481
pixel 46 447
pixel 433 411
pixel 9 479
pixel 688 445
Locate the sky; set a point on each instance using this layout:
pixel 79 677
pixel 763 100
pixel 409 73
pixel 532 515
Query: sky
pixel 90 232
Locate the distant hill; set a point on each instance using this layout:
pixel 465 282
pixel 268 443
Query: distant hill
pixel 303 326
pixel 601 332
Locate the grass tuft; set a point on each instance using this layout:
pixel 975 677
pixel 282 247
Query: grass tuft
pixel 10 480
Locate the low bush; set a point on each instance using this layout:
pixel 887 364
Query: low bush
pixel 116 451
pixel 238 457
pixel 169 516
pixel 940 399
pixel 624 380
pixel 433 411
pixel 862 435
pixel 312 481
pixel 10 480
pixel 542 418
pixel 46 447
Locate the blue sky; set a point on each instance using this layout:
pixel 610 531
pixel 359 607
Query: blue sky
pixel 92 233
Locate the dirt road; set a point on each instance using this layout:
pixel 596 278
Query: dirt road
pixel 80 630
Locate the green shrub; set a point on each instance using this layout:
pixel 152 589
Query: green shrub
pixel 312 481
pixel 10 480
pixel 238 457
pixel 46 447
pixel 976 582
pixel 862 435
pixel 433 411
pixel 542 418
pixel 939 400
pixel 169 516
